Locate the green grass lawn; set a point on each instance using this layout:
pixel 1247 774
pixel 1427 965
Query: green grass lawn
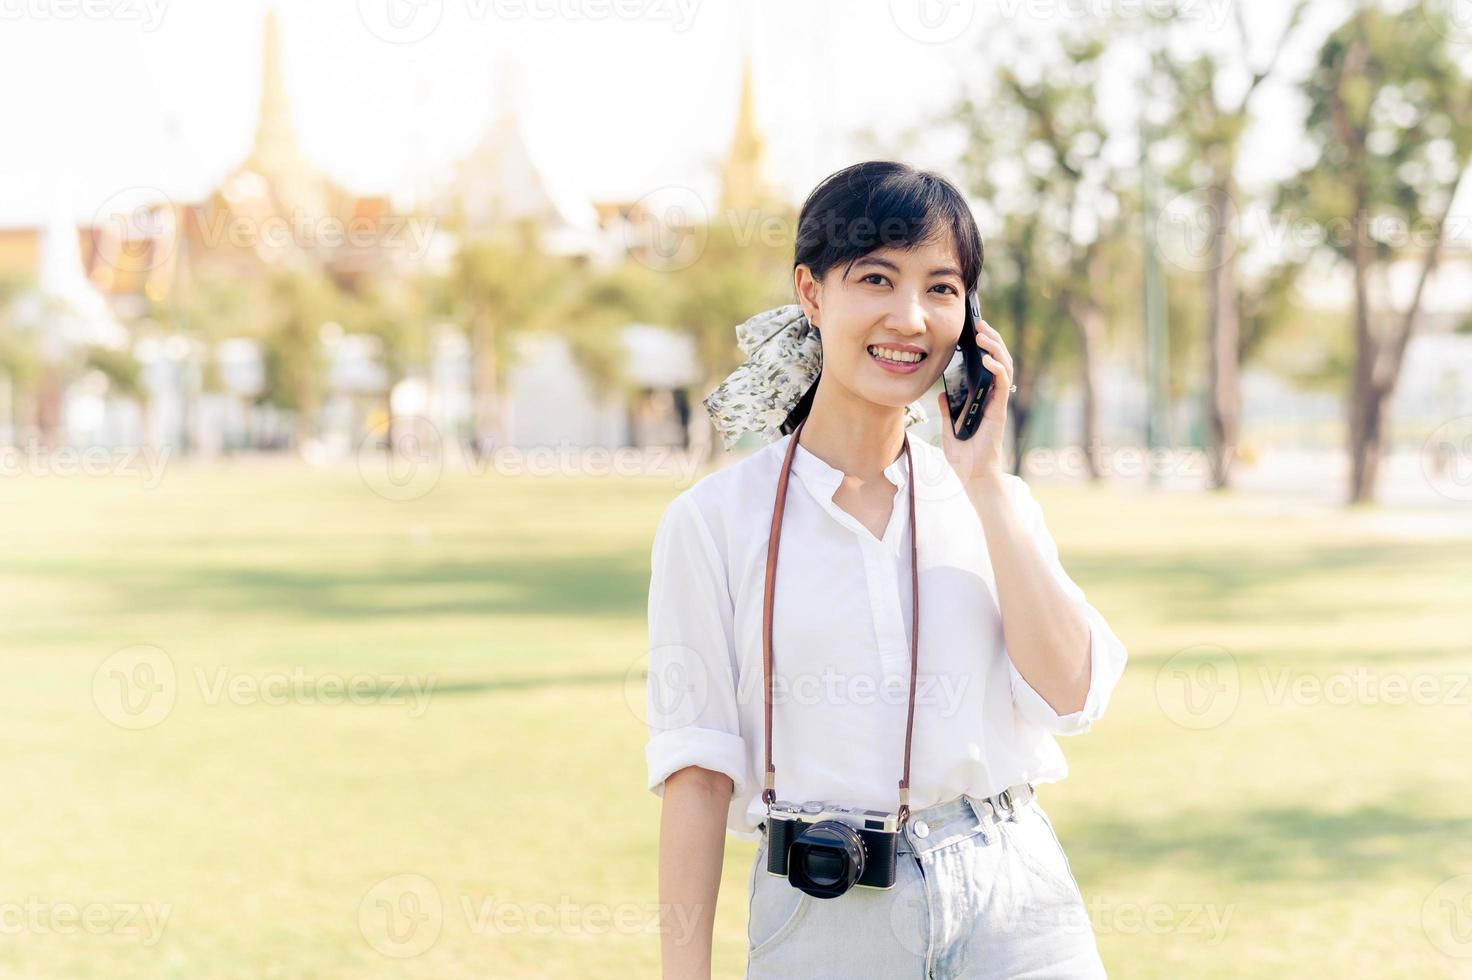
pixel 268 826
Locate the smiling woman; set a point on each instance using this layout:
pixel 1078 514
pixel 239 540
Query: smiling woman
pixel 880 535
pixel 889 248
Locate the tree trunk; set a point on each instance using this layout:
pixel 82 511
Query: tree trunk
pixel 1224 398
pixel 48 406
pixel 1019 408
pixel 388 417
pixel 484 389
pixel 1090 321
pixel 1378 364
pixel 1020 405
pixel 1365 405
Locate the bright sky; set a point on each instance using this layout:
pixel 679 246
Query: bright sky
pixel 618 97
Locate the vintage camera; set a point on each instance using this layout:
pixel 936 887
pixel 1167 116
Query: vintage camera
pixel 825 849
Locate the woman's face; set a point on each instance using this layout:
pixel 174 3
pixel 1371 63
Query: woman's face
pixel 905 303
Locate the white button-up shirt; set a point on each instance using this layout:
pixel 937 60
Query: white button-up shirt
pixel 840 642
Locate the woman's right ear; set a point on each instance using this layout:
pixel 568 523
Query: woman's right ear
pixel 809 292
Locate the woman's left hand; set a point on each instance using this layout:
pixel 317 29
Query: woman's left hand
pixel 982 457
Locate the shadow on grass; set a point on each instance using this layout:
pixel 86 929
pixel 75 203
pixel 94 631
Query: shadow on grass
pixel 1303 656
pixel 596 584
pixel 1219 586
pixel 1205 587
pixel 1268 844
pixel 502 684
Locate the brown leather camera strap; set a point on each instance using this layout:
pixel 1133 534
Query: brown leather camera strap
pixel 769 793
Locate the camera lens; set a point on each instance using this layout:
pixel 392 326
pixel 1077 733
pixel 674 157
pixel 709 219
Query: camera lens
pixel 826 859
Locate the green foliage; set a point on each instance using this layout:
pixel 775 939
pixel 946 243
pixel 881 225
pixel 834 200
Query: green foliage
pixel 302 299
pixel 1198 135
pixel 121 369
pixel 1390 121
pixel 500 284
pixel 600 302
pixel 736 276
pixel 395 311
pixel 1034 160
pixel 19 359
pixel 211 305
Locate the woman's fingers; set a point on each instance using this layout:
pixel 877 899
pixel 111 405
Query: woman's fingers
pixel 1003 372
pixel 988 338
pixel 996 403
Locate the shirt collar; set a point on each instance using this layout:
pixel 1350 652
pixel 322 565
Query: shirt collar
pixel 820 476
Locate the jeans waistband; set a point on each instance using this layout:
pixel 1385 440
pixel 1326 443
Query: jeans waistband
pixel 960 817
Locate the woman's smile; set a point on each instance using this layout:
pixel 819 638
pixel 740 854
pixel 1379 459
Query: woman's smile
pixel 904 359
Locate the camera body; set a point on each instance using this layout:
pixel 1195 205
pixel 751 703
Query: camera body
pixel 825 849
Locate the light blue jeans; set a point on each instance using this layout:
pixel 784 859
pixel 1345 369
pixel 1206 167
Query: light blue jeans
pixel 980 892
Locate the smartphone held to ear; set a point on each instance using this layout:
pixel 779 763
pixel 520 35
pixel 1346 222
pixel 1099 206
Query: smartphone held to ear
pixel 967 381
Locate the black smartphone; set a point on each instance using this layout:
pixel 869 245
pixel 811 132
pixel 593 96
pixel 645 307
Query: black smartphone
pixel 967 381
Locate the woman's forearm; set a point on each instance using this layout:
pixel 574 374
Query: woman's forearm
pixel 1047 636
pixel 692 846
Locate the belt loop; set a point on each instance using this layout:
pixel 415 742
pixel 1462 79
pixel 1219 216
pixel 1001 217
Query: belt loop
pixel 1017 796
pixel 986 813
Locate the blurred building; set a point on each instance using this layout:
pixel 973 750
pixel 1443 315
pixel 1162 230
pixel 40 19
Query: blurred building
pixel 143 275
pixel 145 257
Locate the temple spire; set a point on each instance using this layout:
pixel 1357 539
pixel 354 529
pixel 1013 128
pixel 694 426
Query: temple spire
pixel 743 176
pixel 275 149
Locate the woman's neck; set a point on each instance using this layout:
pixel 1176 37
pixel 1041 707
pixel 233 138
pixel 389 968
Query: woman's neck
pixel 852 434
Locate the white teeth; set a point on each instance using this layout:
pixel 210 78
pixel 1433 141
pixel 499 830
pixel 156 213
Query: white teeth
pixel 902 356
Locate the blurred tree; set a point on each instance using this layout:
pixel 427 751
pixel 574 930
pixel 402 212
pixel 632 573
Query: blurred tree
pixel 1034 153
pixel 737 275
pixel 20 363
pixel 500 284
pixel 123 373
pixel 302 300
pixel 209 306
pixel 1209 125
pixel 599 303
pixel 1390 121
pixel 205 307
pixel 395 311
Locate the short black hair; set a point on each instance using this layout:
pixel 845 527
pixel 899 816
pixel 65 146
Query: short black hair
pixel 884 204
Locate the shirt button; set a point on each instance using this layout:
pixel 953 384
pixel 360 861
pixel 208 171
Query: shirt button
pixel 921 829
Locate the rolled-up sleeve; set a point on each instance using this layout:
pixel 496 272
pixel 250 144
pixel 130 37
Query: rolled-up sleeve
pixel 691 690
pixel 1106 653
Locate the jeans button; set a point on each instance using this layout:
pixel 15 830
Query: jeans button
pixel 921 829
